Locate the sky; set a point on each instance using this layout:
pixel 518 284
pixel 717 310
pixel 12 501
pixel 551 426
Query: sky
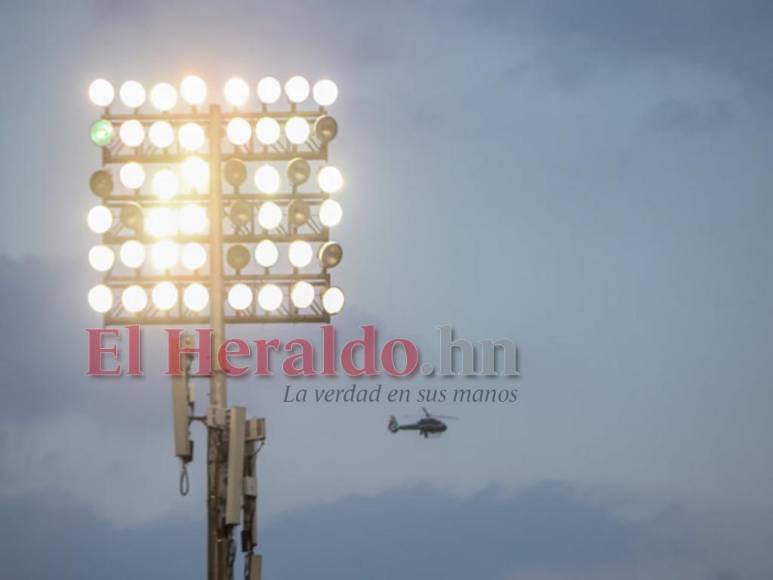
pixel 589 179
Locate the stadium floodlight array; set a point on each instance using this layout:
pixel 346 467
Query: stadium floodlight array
pixel 258 168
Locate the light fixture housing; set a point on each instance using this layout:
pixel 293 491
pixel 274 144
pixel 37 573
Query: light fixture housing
pixel 330 254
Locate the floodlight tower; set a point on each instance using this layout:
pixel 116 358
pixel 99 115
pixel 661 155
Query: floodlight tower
pixel 185 241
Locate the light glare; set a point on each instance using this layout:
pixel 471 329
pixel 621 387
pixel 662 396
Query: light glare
pixel 165 184
pixel 164 255
pixel 193 219
pixel 161 222
pixel 195 172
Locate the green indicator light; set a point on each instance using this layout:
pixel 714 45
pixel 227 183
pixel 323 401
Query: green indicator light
pixel 102 133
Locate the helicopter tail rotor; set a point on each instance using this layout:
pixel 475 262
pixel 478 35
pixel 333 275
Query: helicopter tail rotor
pixel 393 426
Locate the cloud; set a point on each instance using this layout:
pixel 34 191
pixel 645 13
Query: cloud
pixel 726 38
pixel 681 116
pixel 549 531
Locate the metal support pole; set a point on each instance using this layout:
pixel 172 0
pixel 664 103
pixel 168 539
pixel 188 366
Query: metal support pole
pixel 218 535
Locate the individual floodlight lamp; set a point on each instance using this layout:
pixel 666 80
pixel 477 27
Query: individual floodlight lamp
pixel 131 216
pixel 333 300
pixel 193 256
pixel 164 255
pixel 100 298
pixel 192 219
pixel 193 90
pixel 269 215
pixel 298 171
pixel 238 257
pixel 101 93
pixel 330 179
pixel 102 133
pixel 132 94
pixel 330 213
pixel 240 213
pixel 330 254
pixel 300 253
pixel 269 90
pixel 270 297
pixel 163 97
pixel 161 222
pixel 165 184
pixel 164 295
pixel 236 91
pixel 134 298
pixel 161 134
pixel 325 92
pixel 240 296
pixel 132 133
pixel 325 128
pixel 132 254
pixel 196 297
pixel 235 172
pixel 101 258
pixel 267 130
pixel 238 131
pixel 297 130
pixel 99 219
pixel 298 212
pixel 191 136
pixel 101 183
pixel 195 173
pixel 266 253
pixel 302 294
pixel 267 179
pixel 297 89
pixel 132 175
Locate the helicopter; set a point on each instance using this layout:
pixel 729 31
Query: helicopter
pixel 428 425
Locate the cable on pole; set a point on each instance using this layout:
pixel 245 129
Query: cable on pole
pixel 185 482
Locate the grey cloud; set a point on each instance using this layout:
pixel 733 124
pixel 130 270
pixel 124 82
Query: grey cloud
pixel 680 116
pixel 550 531
pixel 725 37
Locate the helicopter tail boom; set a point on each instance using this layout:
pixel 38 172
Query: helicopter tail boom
pixel 393 426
